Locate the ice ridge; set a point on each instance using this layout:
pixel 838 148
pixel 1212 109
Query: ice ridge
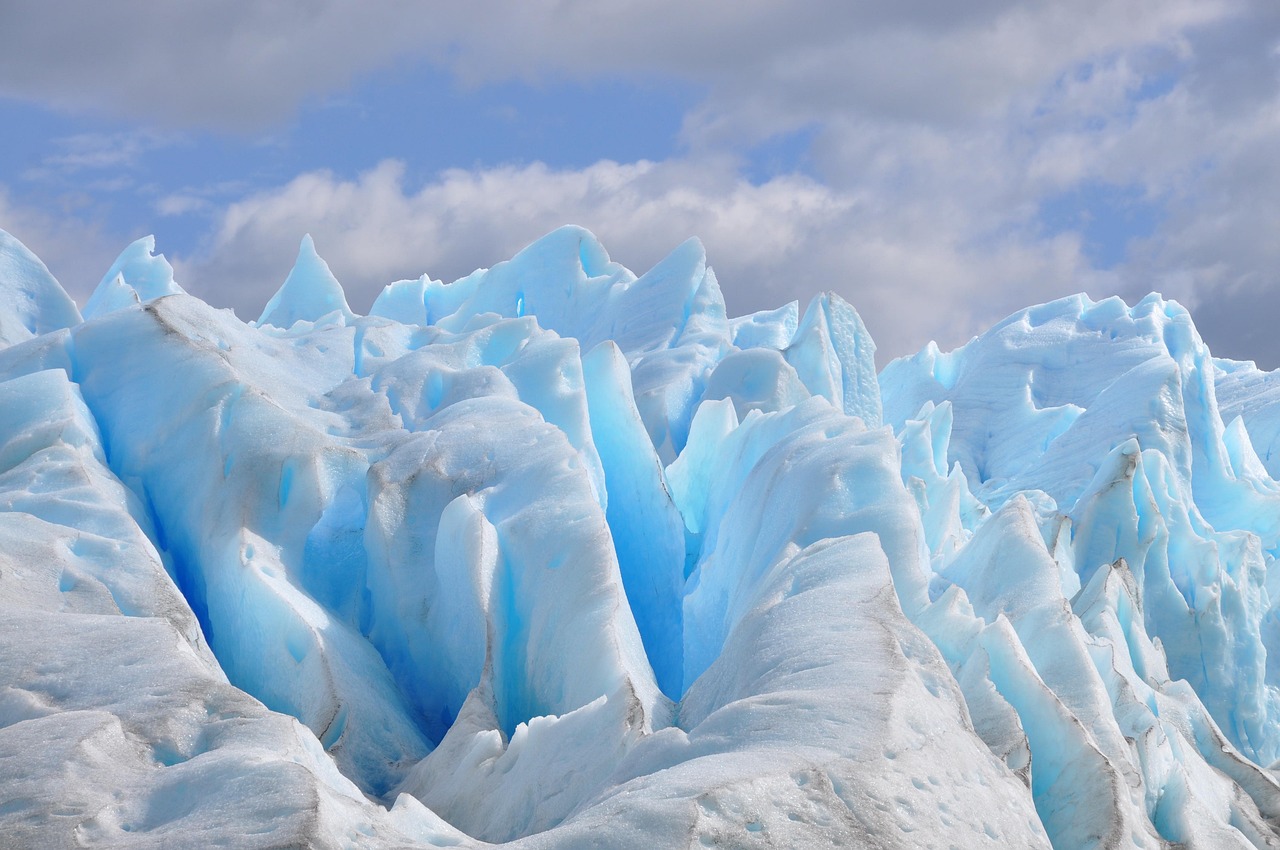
pixel 556 555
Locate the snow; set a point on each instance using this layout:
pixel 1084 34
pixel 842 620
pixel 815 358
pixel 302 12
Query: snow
pixel 556 555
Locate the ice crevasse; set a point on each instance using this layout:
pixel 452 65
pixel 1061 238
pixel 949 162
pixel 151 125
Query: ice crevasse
pixel 558 556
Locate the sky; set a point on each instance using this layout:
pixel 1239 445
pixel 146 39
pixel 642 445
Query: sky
pixel 938 164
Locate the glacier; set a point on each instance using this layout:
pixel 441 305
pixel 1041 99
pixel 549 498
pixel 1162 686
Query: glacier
pixel 556 555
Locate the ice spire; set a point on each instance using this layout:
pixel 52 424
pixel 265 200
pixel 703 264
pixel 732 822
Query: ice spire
pixel 309 293
pixel 138 275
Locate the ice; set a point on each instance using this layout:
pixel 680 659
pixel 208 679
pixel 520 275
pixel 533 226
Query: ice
pixel 834 355
pixel 137 276
pixel 108 683
pixel 848 706
pixel 670 323
pixel 34 303
pixel 948 510
pixel 404 301
pixel 648 532
pixel 309 294
pixel 235 565
pixel 845 482
pixel 1250 395
pixel 767 328
pixel 556 555
pixel 1101 418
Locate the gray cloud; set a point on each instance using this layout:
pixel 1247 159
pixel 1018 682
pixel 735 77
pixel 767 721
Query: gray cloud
pixel 237 63
pixel 231 65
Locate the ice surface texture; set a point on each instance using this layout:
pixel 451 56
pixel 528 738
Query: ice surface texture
pixel 558 556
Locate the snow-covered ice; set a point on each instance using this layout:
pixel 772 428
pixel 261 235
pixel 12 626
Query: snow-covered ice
pixel 559 556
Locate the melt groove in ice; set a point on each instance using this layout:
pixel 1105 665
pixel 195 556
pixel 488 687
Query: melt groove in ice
pixel 558 556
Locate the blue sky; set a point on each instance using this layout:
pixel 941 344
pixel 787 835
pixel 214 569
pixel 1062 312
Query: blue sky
pixel 937 164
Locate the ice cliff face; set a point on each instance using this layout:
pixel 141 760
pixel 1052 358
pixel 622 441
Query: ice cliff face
pixel 558 556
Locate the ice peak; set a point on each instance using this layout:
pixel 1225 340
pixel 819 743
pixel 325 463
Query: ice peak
pixel 138 275
pixel 34 303
pixel 308 294
pixel 835 357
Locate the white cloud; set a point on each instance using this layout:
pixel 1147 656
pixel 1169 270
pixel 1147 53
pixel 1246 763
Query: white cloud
pixel 181 204
pixel 104 150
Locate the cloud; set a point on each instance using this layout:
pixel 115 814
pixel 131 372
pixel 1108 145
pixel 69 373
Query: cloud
pixel 1217 250
pixel 103 150
pixel 181 204
pixel 235 64
pixel 121 152
pixel 767 65
pixel 76 251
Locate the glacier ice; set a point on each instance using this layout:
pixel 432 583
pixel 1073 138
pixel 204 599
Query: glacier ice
pixel 34 303
pixel 137 275
pixel 309 294
pixel 556 555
